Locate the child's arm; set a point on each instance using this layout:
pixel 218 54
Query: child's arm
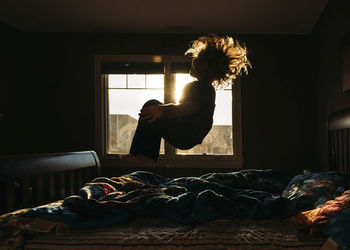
pixel 179 110
pixel 152 113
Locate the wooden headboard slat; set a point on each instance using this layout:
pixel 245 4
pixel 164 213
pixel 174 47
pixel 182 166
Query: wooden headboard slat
pixel 62 185
pixel 80 178
pixel 340 148
pixel 26 193
pixel 39 194
pixel 345 148
pixel 10 199
pixel 71 182
pixel 51 179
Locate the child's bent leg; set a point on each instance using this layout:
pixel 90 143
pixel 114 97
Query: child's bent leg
pixel 147 137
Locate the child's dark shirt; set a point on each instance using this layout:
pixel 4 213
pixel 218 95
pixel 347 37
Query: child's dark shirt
pixel 196 108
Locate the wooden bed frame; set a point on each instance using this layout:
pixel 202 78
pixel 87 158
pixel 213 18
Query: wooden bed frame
pixel 54 176
pixel 339 141
pixel 32 180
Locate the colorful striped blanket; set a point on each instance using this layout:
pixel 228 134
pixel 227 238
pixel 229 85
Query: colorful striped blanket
pixel 257 196
pixel 253 194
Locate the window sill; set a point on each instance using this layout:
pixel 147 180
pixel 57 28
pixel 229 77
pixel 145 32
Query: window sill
pixel 207 161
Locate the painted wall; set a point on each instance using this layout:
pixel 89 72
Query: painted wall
pixel 53 102
pixel 277 104
pixel 327 39
pixel 8 79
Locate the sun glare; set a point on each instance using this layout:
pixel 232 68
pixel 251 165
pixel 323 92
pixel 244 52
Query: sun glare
pixel 181 81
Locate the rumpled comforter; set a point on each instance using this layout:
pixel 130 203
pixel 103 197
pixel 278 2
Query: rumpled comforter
pixel 104 201
pixel 255 194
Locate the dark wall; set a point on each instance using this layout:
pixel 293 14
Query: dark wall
pixel 8 79
pixel 327 39
pixel 277 104
pixel 7 57
pixel 54 103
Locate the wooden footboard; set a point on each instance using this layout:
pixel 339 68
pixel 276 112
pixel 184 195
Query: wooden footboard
pixel 32 180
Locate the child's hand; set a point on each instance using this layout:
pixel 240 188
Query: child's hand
pixel 151 113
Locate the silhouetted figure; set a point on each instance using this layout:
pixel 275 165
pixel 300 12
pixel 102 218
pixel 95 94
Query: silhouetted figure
pixel 216 61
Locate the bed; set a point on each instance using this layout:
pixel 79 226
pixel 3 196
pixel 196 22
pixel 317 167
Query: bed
pixel 72 207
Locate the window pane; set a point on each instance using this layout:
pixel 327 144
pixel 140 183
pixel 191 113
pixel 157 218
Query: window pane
pixel 136 81
pixel 124 106
pixel 116 81
pixel 223 108
pixel 130 101
pixel 219 140
pixel 155 81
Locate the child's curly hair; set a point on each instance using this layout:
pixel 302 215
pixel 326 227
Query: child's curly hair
pixel 226 57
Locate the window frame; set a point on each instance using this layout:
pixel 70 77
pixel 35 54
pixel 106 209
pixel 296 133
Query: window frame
pixel 171 158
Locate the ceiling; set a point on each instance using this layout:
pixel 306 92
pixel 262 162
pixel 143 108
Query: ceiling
pixel 163 16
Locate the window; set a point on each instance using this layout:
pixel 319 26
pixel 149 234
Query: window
pixel 125 83
pixel 126 94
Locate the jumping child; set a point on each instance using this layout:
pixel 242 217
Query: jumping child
pixel 216 61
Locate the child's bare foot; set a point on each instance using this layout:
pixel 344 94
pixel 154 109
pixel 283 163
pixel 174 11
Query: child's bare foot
pixel 137 159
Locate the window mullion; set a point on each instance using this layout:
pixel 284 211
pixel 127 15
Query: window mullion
pixel 105 82
pixel 168 97
pixel 145 82
pixel 236 119
pixel 168 85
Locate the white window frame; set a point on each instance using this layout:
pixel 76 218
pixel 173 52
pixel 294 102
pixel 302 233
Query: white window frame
pixel 171 158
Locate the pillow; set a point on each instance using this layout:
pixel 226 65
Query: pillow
pixel 312 190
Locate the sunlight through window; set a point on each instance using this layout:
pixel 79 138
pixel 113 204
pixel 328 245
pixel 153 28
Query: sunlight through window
pixel 181 80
